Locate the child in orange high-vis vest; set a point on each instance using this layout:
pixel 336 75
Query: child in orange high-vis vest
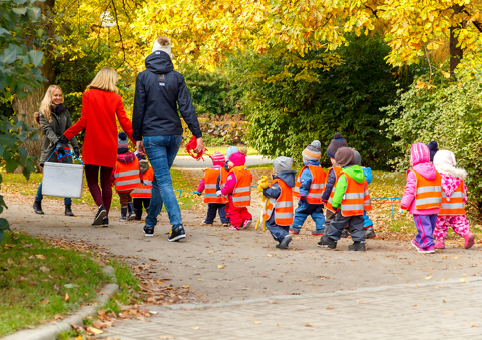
pixel 141 195
pixel 208 183
pixel 279 213
pixel 423 197
pixel 126 176
pixel 238 190
pixel 350 200
pixel 309 188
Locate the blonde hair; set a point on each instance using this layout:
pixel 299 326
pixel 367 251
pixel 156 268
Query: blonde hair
pixel 45 105
pixel 105 80
pixel 163 41
pixel 243 149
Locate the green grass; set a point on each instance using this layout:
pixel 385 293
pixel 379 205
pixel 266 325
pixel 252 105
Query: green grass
pixel 213 149
pixel 36 278
pixel 16 183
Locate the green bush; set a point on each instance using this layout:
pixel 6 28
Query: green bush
pixel 450 114
pixel 286 115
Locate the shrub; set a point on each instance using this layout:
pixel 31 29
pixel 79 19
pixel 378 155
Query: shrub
pixel 225 130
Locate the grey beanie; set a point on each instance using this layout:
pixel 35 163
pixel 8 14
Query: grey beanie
pixel 337 142
pixel 282 164
pixel 312 151
pixel 357 157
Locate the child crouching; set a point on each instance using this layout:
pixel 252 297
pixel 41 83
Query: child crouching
pixel 351 199
pixel 279 213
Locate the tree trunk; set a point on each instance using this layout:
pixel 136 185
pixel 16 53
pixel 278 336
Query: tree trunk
pixel 25 109
pixel 456 52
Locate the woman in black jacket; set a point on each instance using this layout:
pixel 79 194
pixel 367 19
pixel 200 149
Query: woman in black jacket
pixel 54 119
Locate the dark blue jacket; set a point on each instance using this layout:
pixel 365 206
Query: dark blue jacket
pixel 330 183
pixel 159 91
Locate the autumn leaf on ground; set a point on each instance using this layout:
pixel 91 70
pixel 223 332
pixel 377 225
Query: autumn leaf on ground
pixel 57 317
pixel 44 301
pixel 9 261
pixel 94 330
pixel 44 269
pixel 331 307
pixel 220 267
pixel 164 337
pixel 67 297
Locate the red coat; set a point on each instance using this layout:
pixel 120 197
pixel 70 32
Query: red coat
pixel 99 109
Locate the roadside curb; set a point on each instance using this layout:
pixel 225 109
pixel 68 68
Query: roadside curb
pixel 50 332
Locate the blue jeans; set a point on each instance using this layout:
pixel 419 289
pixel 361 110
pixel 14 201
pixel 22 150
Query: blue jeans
pixel 161 151
pixel 39 197
pixel 306 209
pixel 214 208
pixel 368 222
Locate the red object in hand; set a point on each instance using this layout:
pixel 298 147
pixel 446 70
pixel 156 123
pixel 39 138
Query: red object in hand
pixel 190 149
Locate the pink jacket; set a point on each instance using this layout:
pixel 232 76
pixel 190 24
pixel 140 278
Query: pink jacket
pixel 228 187
pixel 200 187
pixel 427 171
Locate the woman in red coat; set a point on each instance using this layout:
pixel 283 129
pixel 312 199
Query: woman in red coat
pixel 100 105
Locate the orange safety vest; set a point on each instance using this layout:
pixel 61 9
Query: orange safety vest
pixel 144 190
pixel 356 199
pixel 428 193
pixel 337 170
pixel 210 179
pixel 242 189
pixel 126 176
pixel 453 205
pixel 283 205
pixel 317 185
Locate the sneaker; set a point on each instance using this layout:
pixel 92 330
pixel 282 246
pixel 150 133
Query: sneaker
pixel 208 224
pixel 99 216
pixel 148 231
pixel 416 245
pixel 345 233
pixel 439 245
pixel 369 232
pixel 285 242
pixel 327 242
pixel 246 224
pixel 177 233
pixel 37 207
pixel 319 232
pixel 295 231
pixel 105 222
pixel 469 240
pixel 68 210
pixel 357 246
pixel 428 250
pixel 232 227
pixel 225 225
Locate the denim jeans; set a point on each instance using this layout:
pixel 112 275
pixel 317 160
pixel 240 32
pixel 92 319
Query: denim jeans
pixel 161 151
pixel 39 197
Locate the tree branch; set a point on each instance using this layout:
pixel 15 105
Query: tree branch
pixel 476 23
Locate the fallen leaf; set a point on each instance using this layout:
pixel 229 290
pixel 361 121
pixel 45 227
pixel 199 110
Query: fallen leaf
pixel 361 302
pixel 9 246
pixel 220 267
pixel 196 328
pixel 44 269
pixel 32 283
pixel 473 325
pixel 308 325
pixel 331 307
pixel 165 337
pixel 443 301
pixel 257 322
pixel 66 297
pixel 40 257
pixel 9 261
pixel 200 279
pixel 280 324
pixel 428 278
pixel 185 287
pixel 44 301
pixel 269 255
pixel 56 317
pixel 414 305
pixel 94 330
pixel 463 281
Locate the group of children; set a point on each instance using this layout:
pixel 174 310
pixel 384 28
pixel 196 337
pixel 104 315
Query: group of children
pixel 435 195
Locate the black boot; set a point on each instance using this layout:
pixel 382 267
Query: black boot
pixel 37 207
pixel 130 209
pixel 357 246
pixel 138 214
pixel 123 214
pixel 68 210
pixel 327 242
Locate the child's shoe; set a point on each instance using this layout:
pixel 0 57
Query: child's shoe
pixel 439 245
pixel 327 242
pixel 285 242
pixel 123 217
pixel 428 250
pixel 295 231
pixel 130 209
pixel 469 240
pixel 246 224
pixel 318 232
pixel 208 224
pixel 416 245
pixel 345 233
pixel 226 225
pixel 232 227
pixel 369 232
pixel 357 246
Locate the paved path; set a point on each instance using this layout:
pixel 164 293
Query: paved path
pixel 189 162
pixel 450 310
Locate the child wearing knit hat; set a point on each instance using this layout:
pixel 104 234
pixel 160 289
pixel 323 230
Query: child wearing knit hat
pixel 141 195
pixel 208 183
pixel 309 188
pixel 333 174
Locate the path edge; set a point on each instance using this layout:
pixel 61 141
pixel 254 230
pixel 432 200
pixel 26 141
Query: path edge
pixel 50 332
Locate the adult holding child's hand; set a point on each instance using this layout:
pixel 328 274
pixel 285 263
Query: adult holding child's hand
pixel 158 130
pixel 100 105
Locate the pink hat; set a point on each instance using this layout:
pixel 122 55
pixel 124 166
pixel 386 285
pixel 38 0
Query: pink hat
pixel 217 158
pixel 419 153
pixel 237 158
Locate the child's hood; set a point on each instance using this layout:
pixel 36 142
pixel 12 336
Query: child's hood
pixel 126 158
pixel 315 162
pixel 288 177
pixel 237 159
pixel 451 170
pixel 449 184
pixel 426 170
pixel 355 172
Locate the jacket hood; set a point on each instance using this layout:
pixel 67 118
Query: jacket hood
pixel 288 177
pixel 452 171
pixel 126 158
pixel 238 159
pixel 159 62
pixel 449 184
pixel 419 153
pixel 312 162
pixel 426 170
pixel 355 172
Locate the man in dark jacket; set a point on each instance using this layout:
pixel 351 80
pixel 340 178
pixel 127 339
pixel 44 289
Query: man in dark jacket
pixel 158 131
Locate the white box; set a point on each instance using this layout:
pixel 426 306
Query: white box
pixel 63 180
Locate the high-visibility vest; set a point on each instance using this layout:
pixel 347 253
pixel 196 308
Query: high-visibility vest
pixel 453 205
pixel 126 176
pixel 144 190
pixel 223 179
pixel 210 179
pixel 242 190
pixel 283 205
pixel 317 185
pixel 337 170
pixel 356 199
pixel 428 193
